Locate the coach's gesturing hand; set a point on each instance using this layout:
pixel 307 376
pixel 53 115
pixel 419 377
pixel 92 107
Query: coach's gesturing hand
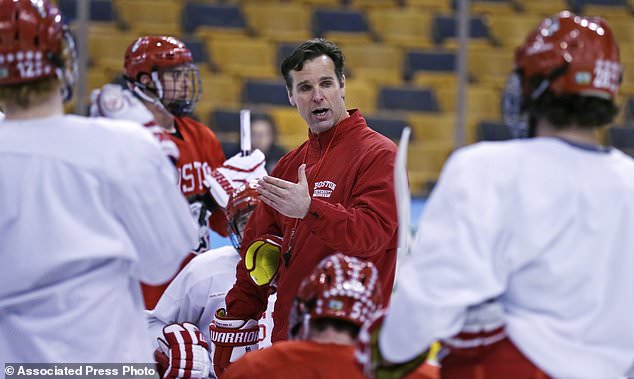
pixel 288 198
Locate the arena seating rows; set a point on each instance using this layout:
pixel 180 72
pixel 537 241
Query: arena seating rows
pixel 401 57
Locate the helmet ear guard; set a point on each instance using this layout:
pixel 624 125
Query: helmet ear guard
pixel 67 64
pixel 515 103
pixel 513 106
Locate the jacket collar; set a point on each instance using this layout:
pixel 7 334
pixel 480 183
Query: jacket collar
pixel 345 126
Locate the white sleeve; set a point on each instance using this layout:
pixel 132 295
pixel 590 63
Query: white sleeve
pixel 155 213
pixel 182 301
pixel 456 261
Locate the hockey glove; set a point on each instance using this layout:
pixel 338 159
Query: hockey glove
pixel 232 338
pixel 183 353
pixel 262 259
pixel 113 101
pixel 235 172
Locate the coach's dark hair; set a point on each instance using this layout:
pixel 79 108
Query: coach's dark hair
pixel 308 50
pixel 571 109
pixel 339 325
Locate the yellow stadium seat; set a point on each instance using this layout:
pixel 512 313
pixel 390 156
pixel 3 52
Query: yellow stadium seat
pixel 280 22
pixel 404 27
pixel 321 3
pixel 151 17
pixel 378 76
pixel 446 98
pixel 108 50
pixel 431 5
pixel 373 4
pixel 512 31
pixel 497 8
pixel 627 86
pixel 435 80
pixel 349 38
pixel 379 63
pixel 484 101
pixel 96 78
pixel 427 156
pixel 291 127
pixel 149 11
pixel 424 163
pixel 361 94
pixel 419 182
pixel 481 101
pixel 209 33
pixel 288 121
pixel 433 127
pixel 244 57
pixel 219 90
pixel 491 67
pixel 291 141
pixel 544 8
pixel 610 13
pixel 153 28
pixel 624 34
pixel 474 44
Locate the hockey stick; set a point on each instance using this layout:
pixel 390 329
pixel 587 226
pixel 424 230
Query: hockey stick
pixel 403 197
pixel 245 132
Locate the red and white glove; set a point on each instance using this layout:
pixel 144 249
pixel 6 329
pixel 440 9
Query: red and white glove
pixel 232 338
pixel 113 101
pixel 183 353
pixel 235 172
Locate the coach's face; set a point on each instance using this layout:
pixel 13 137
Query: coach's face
pixel 318 95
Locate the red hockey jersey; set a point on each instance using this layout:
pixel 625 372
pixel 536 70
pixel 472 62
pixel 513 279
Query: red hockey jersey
pixel 200 152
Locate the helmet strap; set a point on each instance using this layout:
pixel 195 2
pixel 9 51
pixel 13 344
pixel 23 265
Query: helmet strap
pixel 141 90
pixel 303 335
pixel 157 83
pixel 545 83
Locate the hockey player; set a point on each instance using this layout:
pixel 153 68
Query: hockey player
pixel 542 226
pixel 199 290
pixel 88 208
pixel 332 303
pixel 335 192
pixel 340 295
pixel 160 71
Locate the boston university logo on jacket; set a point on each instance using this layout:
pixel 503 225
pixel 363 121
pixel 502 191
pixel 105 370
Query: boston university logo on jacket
pixel 323 188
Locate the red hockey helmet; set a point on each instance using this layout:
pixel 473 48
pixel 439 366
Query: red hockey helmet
pixel 241 204
pixel 566 54
pixel 585 46
pixel 152 55
pixel 34 43
pixel 340 287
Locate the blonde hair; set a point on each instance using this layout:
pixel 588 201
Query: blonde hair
pixel 25 95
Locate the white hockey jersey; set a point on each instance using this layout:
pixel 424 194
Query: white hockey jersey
pixel 88 208
pixel 198 291
pixel 546 227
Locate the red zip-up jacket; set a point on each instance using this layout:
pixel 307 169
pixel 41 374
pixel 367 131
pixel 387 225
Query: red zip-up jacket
pixel 353 210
